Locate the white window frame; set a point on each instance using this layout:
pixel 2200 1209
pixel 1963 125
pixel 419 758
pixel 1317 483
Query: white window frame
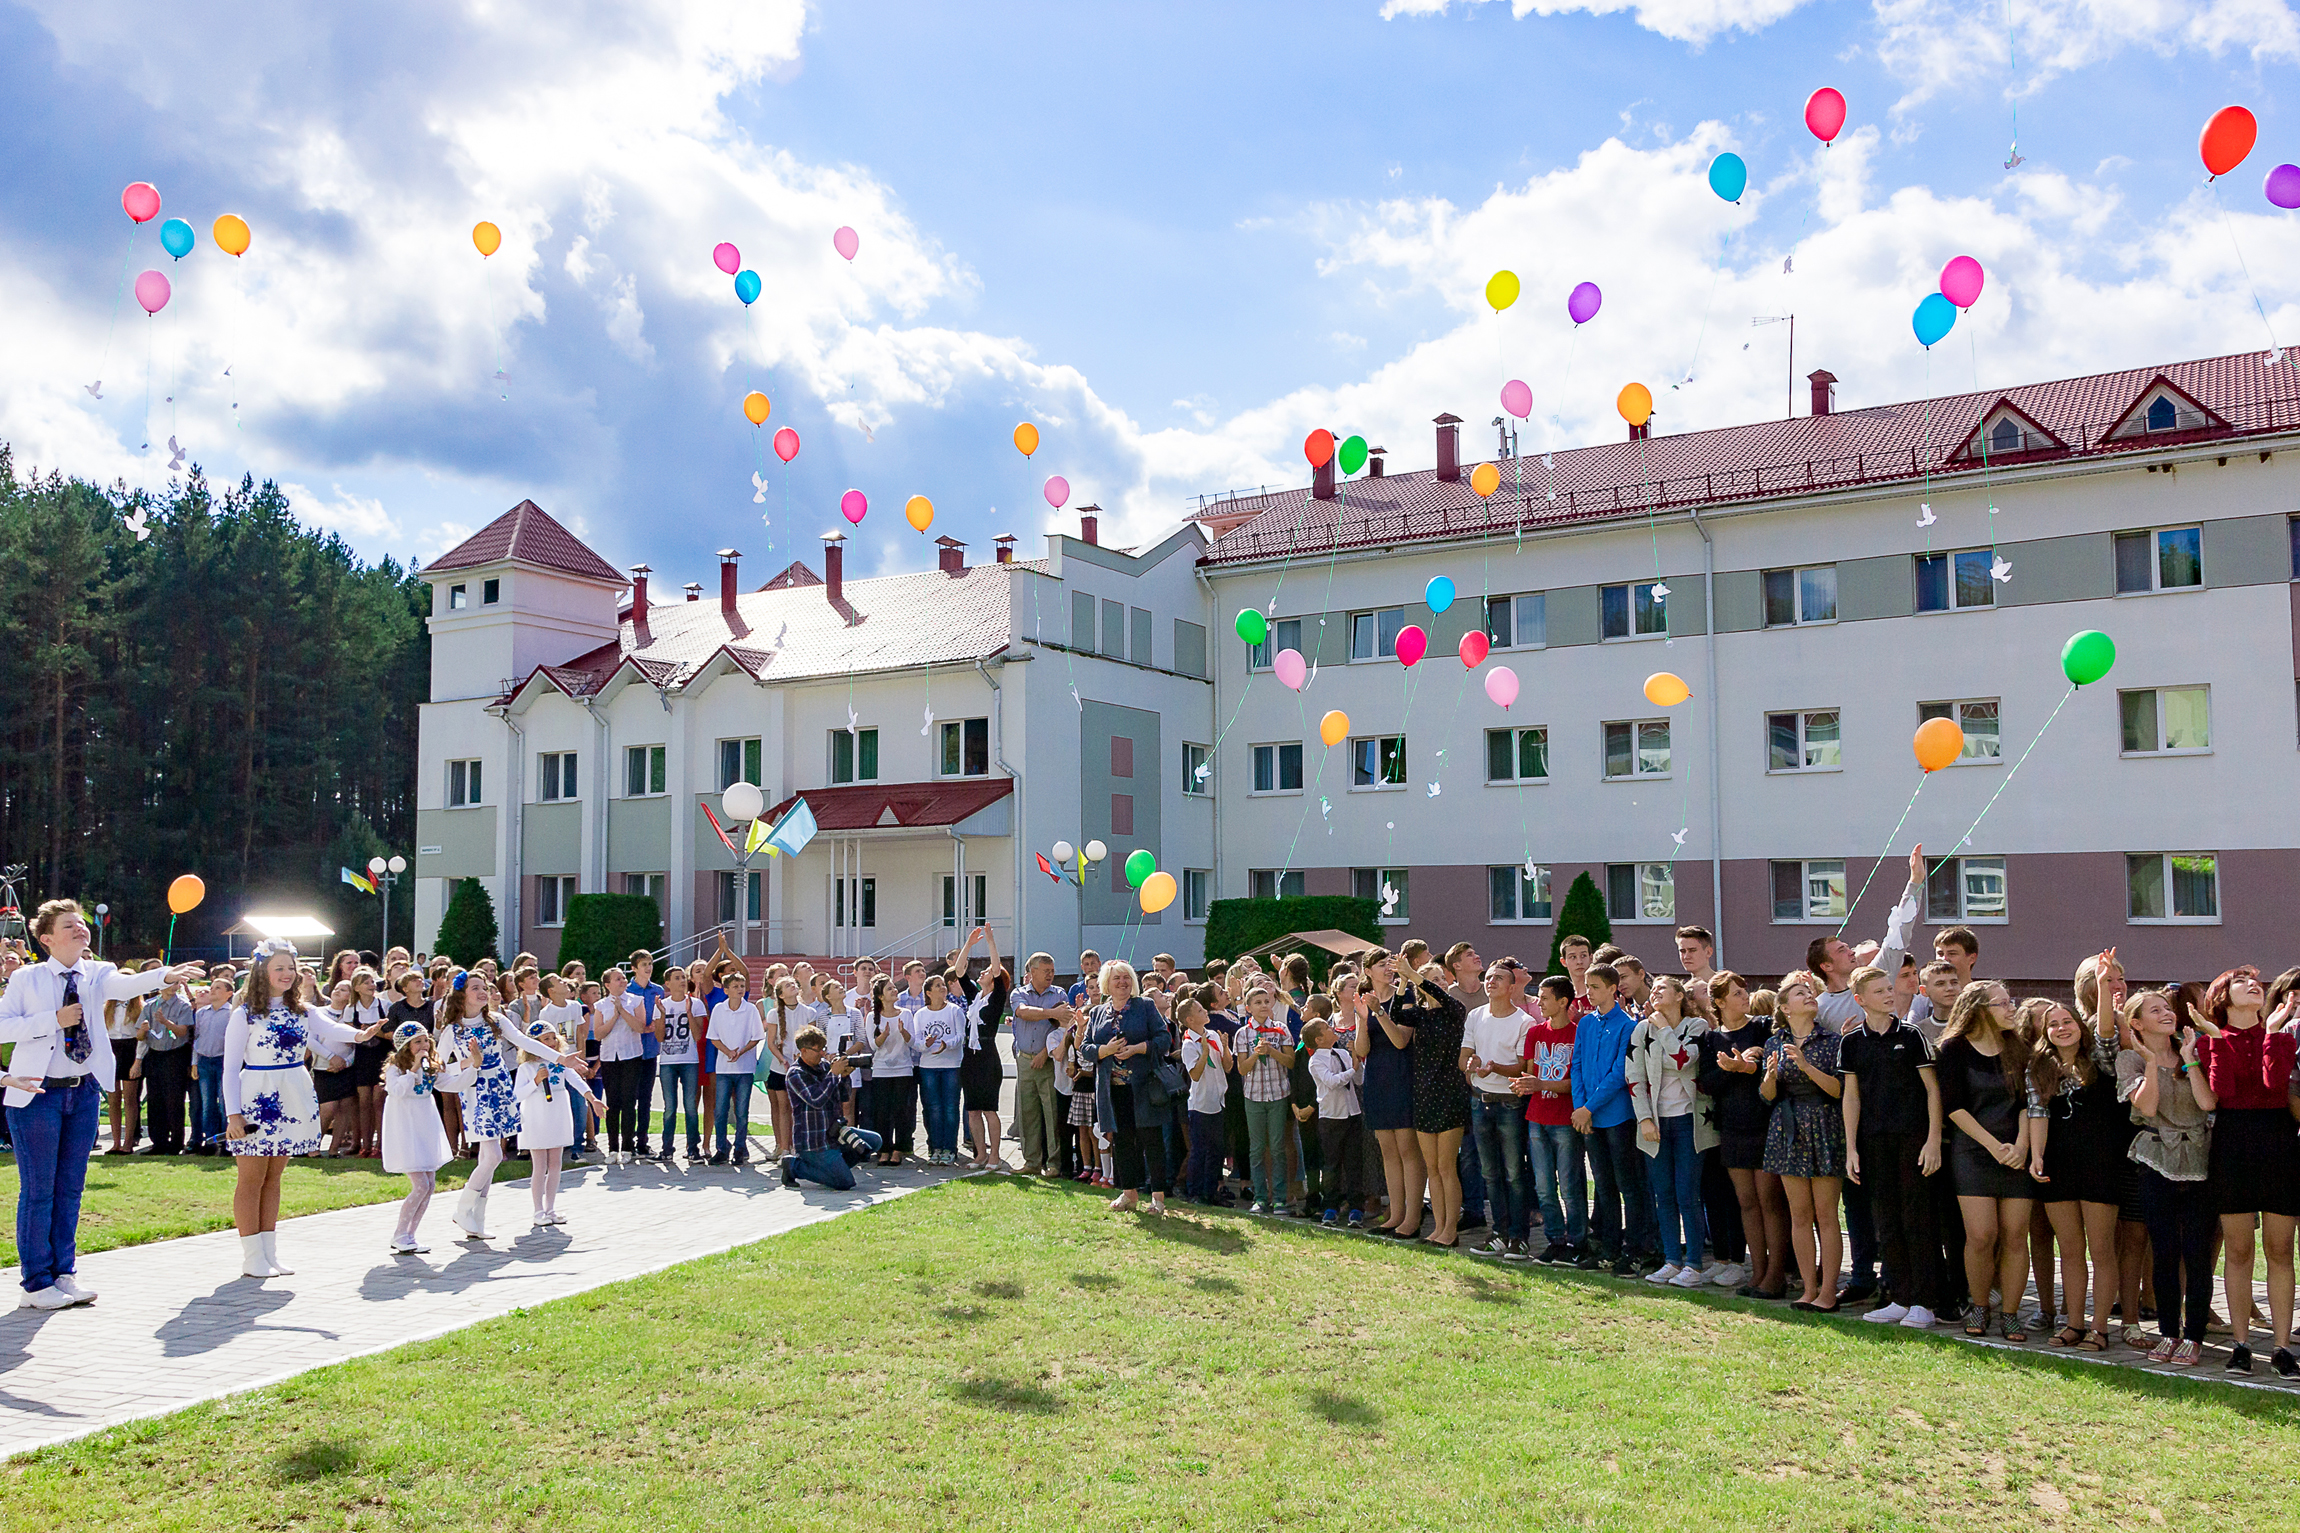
pixel 1374 616
pixel 1643 873
pixel 2164 872
pixel 655 764
pixel 977 893
pixel 1517 734
pixel 2156 536
pixel 1636 772
pixel 553 891
pixel 1399 877
pixel 1279 878
pixel 1965 864
pixel 652 884
pixel 1516 611
pixel 1277 750
pixel 1808 870
pixel 1629 591
pixel 458 598
pixel 552 771
pixel 739 741
pixel 474 779
pixel 1798 617
pixel 1804 718
pixel 2157 694
pixel 1517 882
pixel 942 735
pixel 1954 708
pixel 853 738
pixel 1285 633
pixel 1197 885
pixel 1380 784
pixel 1950 557
pixel 1195 756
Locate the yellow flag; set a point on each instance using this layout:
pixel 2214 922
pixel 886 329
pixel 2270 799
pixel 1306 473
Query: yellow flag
pixel 758 836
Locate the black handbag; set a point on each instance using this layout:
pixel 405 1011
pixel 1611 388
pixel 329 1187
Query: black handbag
pixel 1166 1083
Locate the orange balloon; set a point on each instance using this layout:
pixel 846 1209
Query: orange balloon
pixel 231 233
pixel 2227 139
pixel 919 512
pixel 1334 728
pixel 1485 479
pixel 755 408
pixel 487 237
pixel 1026 438
pixel 1635 404
pixel 1666 689
pixel 1938 744
pixel 186 893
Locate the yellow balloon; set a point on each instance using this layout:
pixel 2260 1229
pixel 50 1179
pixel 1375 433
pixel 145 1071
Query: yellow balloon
pixel 487 237
pixel 1485 479
pixel 1939 743
pixel 1026 438
pixel 755 408
pixel 1635 404
pixel 1666 689
pixel 231 233
pixel 1158 891
pixel 1334 728
pixel 919 512
pixel 186 893
pixel 1501 290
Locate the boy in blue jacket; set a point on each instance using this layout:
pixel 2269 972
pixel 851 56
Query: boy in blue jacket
pixel 1621 1224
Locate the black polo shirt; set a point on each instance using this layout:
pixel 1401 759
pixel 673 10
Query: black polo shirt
pixel 1886 1065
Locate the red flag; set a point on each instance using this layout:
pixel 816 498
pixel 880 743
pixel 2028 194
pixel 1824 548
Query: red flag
pixel 722 832
pixel 1047 868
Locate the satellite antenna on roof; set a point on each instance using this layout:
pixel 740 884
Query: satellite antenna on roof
pixel 1791 321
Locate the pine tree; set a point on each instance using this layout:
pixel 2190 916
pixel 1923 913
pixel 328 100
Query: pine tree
pixel 467 932
pixel 1583 916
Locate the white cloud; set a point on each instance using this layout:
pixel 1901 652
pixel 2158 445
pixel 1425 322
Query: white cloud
pixel 1686 21
pixel 1939 46
pixel 355 516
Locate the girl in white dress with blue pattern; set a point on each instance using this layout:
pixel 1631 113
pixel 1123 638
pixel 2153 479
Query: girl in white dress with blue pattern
pixel 474 1031
pixel 547 1073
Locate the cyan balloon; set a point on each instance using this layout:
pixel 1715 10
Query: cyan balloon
pixel 1440 593
pixel 1935 318
pixel 747 286
pixel 176 238
pixel 1728 176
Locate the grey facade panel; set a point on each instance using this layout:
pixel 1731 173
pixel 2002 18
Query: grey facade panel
pixel 1189 647
pixel 1740 601
pixel 2080 568
pixel 2248 551
pixel 1099 723
pixel 1138 648
pixel 1082 622
pixel 1688 606
pixel 551 837
pixel 1881 587
pixel 1326 637
pixel 1114 629
pixel 639 835
pixel 465 838
pixel 1447 628
pixel 1573 616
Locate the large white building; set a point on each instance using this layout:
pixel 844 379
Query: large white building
pixel 1822 584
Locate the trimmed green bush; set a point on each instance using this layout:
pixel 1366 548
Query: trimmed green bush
pixel 1235 926
pixel 1584 916
pixel 467 931
pixel 606 929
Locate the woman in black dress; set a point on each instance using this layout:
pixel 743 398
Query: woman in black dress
pixel 1387 1097
pixel 1440 1094
pixel 1127 1039
pixel 1732 1055
pixel 1982 1065
pixel 980 1075
pixel 2078 1135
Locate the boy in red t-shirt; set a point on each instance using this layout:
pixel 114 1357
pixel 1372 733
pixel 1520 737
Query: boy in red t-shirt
pixel 1559 1181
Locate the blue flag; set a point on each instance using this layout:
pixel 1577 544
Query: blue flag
pixel 792 835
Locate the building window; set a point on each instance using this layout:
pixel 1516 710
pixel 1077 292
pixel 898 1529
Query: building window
pixel 1794 597
pixel 1802 742
pixel 1270 884
pixel 1809 891
pixel 1640 891
pixel 1194 882
pixel 648 884
pixel 458 598
pixel 1966 889
pixel 739 762
pixel 966 748
pixel 1285 633
pixel 1637 749
pixel 1517 894
pixel 2168 559
pixel 2172 886
pixel 2165 721
pixel 462 784
pixel 1278 768
pixel 490 592
pixel 1517 755
pixel 853 898
pixel 552 895
pixel 1978 718
pixel 727 896
pixel 1378 762
pixel 977 898
pixel 1955 582
pixel 2163 414
pixel 2292 536
pixel 1387 887
pixel 1374 635
pixel 1633 611
pixel 1197 769
pixel 644 770
pixel 1517 622
pixel 557 771
pixel 854 755
pixel 1114 629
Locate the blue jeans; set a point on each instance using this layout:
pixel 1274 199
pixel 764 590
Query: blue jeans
pixel 1499 1128
pixel 208 1099
pixel 1266 1137
pixel 734 1107
pixel 1623 1223
pixel 938 1097
pixel 1677 1194
pixel 678 1079
pixel 833 1164
pixel 1558 1172
pixel 1467 1162
pixel 53 1134
pixel 1202 1175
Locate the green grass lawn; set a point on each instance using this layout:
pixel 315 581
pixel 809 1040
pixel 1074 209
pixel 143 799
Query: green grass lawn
pixel 994 1353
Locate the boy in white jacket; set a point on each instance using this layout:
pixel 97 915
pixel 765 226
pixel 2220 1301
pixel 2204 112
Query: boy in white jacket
pixel 1341 1127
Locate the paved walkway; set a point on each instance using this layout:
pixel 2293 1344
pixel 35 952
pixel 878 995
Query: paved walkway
pixel 177 1324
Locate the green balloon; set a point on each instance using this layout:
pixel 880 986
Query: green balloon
pixel 1252 626
pixel 1352 454
pixel 1140 864
pixel 2086 657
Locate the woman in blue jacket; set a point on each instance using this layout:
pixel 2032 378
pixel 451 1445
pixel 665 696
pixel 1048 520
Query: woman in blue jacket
pixel 1128 1039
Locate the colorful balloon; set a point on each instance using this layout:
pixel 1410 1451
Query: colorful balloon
pixel 1501 686
pixel 1158 892
pixel 1351 455
pixel 2087 656
pixel 1582 304
pixel 152 291
pixel 1961 281
pixel 1635 402
pixel 185 894
pixel 231 234
pixel 1475 646
pixel 1318 447
pixel 1026 438
pixel 1516 398
pixel 2227 138
pixel 852 505
pixel 1484 479
pixel 919 512
pixel 1140 864
pixel 1057 491
pixel 846 242
pixel 727 258
pixel 1825 113
pixel 2283 186
pixel 1939 743
pixel 1334 728
pixel 1666 689
pixel 1291 669
pixel 176 238
pixel 747 286
pixel 487 238
pixel 1728 176
pixel 141 201
pixel 786 444
pixel 1439 593
pixel 1412 644
pixel 756 408
pixel 1251 625
pixel 1501 290
pixel 1935 318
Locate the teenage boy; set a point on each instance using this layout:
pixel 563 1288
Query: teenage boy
pixel 1893 1137
pixel 1086 990
pixel 650 1041
pixel 1341 1129
pixel 1961 950
pixel 1607 1120
pixel 1041 1009
pixel 1206 1060
pixel 209 1020
pixel 1636 993
pixel 1573 953
pixel 52 1012
pixel 1697 952
pixel 1546 1082
pixel 1937 986
pixel 1163 963
pixel 1265 1062
pixel 823 1147
pixel 1493 1056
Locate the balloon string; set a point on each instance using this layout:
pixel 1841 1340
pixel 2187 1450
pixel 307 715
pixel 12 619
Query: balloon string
pixel 2012 67
pixel 2258 307
pixel 2024 755
pixel 147 385
pixel 120 293
pixel 1549 453
pixel 1928 499
pixel 1890 838
pixel 1324 751
pixel 239 329
pixel 1988 476
pixel 1703 333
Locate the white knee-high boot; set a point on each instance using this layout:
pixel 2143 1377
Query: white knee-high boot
pixel 271 1239
pixel 252 1260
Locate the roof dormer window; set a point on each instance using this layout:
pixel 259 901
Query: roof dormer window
pixel 2163 414
pixel 2005 436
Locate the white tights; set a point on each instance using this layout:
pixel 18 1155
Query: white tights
pixel 419 1186
pixel 490 1156
pixel 543 1181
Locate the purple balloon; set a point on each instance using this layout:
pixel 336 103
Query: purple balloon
pixel 1057 492
pixel 1582 307
pixel 2283 186
pixel 1516 398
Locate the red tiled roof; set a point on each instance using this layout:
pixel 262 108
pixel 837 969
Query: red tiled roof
pixel 872 806
pixel 527 533
pixel 1772 459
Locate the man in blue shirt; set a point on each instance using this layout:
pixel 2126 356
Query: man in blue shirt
pixel 644 987
pixel 1622 1224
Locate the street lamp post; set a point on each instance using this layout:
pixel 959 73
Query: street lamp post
pixel 385 875
pixel 743 802
pixel 103 912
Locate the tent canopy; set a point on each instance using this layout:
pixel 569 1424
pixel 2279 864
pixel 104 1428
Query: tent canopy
pixel 288 926
pixel 1340 944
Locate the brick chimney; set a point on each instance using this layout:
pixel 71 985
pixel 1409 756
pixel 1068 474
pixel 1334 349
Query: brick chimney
pixel 1322 478
pixel 727 558
pixel 834 567
pixel 1449 447
pixel 1640 433
pixel 953 557
pixel 694 590
pixel 1824 391
pixel 1090 524
pixel 639 574
pixel 1005 541
pixel 1374 462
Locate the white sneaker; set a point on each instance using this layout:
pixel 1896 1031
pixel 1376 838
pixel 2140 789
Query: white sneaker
pixel 51 1297
pixel 1688 1277
pixel 79 1295
pixel 1731 1275
pixel 1918 1318
pixel 1665 1274
pixel 1891 1314
pixel 1498 1246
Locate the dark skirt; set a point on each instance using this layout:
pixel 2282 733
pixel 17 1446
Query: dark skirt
pixel 1741 1152
pixel 367 1061
pixel 2084 1157
pixel 979 1080
pixel 2255 1161
pixel 334 1085
pixel 1387 1097
pixel 1806 1138
pixel 1976 1175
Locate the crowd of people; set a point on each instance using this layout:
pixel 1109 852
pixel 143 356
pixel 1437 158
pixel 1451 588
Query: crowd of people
pixel 1873 1133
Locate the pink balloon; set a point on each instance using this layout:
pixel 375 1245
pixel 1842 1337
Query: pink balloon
pixel 1412 644
pixel 786 444
pixel 846 242
pixel 852 505
pixel 727 258
pixel 1516 398
pixel 1291 668
pixel 1057 492
pixel 1961 282
pixel 152 292
pixel 1474 647
pixel 1825 113
pixel 141 201
pixel 1501 685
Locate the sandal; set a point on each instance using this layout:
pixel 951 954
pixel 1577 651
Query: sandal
pixel 2068 1336
pixel 2135 1337
pixel 2164 1350
pixel 2014 1331
pixel 2094 1341
pixel 1977 1326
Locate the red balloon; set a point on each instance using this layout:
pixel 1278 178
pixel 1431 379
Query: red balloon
pixel 1474 646
pixel 1825 113
pixel 786 444
pixel 141 201
pixel 1318 447
pixel 2227 139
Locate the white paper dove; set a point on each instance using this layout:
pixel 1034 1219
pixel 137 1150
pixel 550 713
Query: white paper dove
pixel 1678 836
pixel 1925 517
pixel 2000 571
pixel 1660 590
pixel 135 521
pixel 1434 789
pixel 1389 899
pixel 175 456
pixel 758 488
pixel 929 724
pixel 95 390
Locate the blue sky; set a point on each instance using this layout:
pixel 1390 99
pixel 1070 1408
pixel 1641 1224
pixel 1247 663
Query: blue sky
pixel 1177 237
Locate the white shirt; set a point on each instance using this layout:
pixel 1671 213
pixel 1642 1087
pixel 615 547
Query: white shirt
pixel 1495 1040
pixel 897 1049
pixel 28 1018
pixel 326 1053
pixel 677 1020
pixel 1338 1073
pixel 940 1035
pixel 1058 1056
pixel 740 1028
pixel 1210 1089
pixel 619 1022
